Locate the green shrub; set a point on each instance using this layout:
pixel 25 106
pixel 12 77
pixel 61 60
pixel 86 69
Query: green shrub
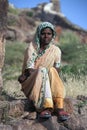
pixel 69 37
pixel 12 21
pixel 29 13
pixel 14 53
pixel 13 60
pixel 74 53
pixel 14 11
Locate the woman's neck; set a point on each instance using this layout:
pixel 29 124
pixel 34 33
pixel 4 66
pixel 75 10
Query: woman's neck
pixel 43 47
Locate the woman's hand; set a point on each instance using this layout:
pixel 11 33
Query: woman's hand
pixel 22 78
pixel 58 69
pixel 31 70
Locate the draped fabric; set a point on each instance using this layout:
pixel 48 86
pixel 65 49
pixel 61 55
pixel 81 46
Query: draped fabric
pixel 44 86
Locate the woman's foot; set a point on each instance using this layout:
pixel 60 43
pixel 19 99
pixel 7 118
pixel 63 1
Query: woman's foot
pixel 45 114
pixel 62 115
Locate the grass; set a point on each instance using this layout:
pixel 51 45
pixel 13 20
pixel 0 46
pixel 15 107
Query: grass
pixel 14 11
pixel 13 60
pixel 74 53
pixel 74 85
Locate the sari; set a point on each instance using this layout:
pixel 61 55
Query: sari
pixel 44 86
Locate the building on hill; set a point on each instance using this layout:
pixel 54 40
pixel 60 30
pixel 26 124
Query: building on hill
pixel 56 5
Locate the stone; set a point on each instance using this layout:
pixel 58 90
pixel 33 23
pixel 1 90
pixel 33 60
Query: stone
pixel 4 108
pixel 22 116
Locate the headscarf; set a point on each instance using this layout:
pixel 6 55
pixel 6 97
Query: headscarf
pixel 42 26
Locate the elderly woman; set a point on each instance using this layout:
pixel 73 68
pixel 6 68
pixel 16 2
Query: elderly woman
pixel 40 80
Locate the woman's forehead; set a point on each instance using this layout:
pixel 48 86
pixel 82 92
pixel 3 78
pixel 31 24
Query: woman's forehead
pixel 46 29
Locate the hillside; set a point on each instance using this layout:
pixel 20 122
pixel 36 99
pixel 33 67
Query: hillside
pixel 18 113
pixel 22 21
pixel 21 27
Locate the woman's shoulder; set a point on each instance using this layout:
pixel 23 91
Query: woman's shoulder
pixel 56 47
pixel 31 46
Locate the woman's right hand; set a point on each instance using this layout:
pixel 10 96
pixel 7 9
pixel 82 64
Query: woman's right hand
pixel 31 70
pixel 21 78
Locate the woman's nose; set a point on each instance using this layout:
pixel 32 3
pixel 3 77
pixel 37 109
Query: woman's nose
pixel 46 35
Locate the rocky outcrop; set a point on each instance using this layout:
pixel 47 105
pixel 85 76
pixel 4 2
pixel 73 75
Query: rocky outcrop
pixel 58 19
pixel 16 112
pixel 21 115
pixel 19 27
pixel 22 26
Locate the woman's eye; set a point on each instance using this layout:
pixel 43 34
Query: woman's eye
pixel 46 33
pixel 49 33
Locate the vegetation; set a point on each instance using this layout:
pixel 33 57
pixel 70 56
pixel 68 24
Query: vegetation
pixel 74 53
pixel 13 60
pixel 29 13
pixel 14 11
pixel 73 73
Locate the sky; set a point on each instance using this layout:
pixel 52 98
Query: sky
pixel 74 10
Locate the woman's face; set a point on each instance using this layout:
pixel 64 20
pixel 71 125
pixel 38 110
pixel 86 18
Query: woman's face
pixel 46 36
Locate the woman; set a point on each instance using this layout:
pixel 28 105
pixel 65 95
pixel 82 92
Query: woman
pixel 40 80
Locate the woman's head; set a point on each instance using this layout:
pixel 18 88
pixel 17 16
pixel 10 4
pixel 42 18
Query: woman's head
pixel 42 29
pixel 43 26
pixel 46 36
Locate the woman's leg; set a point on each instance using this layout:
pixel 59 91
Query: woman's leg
pixel 57 88
pixel 58 93
pixel 45 102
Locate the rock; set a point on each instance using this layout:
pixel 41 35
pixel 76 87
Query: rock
pixel 5 127
pixel 11 35
pixel 68 106
pixel 16 108
pixel 4 108
pixel 22 116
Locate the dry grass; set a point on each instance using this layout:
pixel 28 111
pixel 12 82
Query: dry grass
pixel 75 86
